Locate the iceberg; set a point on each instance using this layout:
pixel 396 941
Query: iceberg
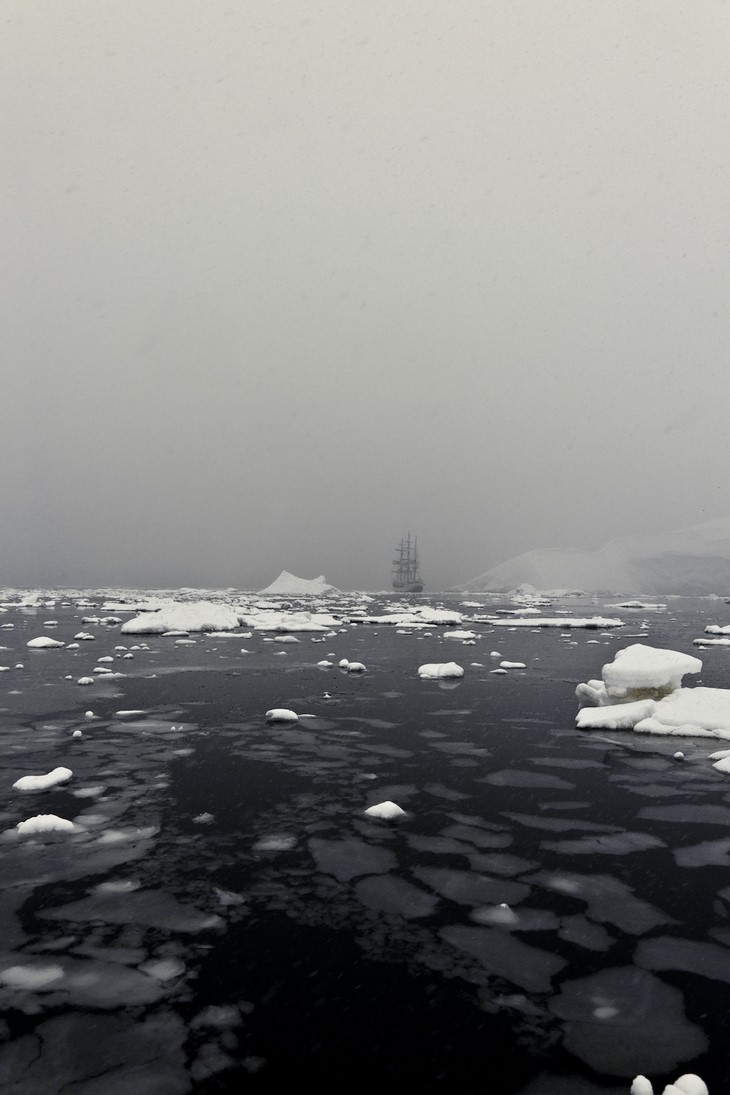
pixel 289 585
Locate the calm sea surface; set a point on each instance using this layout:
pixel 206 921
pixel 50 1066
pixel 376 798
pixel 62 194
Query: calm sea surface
pixel 550 917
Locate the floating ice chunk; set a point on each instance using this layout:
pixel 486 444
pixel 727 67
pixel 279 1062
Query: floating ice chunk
pixel 106 658
pixel 386 810
pixel 44 643
pixel 689 1084
pixel 639 669
pixel 285 639
pixel 45 823
pixel 343 663
pixel 713 629
pixel 460 635
pixel 324 664
pixel 85 636
pixel 85 680
pixel 498 672
pixel 77 734
pixel 440 669
pixel 691 712
pixel 619 716
pixel 281 714
pixel 512 665
pixel 40 783
pixel 355 667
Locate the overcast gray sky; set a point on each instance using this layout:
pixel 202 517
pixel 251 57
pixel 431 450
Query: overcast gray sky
pixel 281 280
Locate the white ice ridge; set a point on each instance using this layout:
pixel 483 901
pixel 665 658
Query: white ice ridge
pixel 177 616
pixel 563 622
pixel 40 783
pixel 689 1084
pixel 440 669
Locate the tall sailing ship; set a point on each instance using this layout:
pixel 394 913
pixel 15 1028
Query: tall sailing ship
pixel 406 577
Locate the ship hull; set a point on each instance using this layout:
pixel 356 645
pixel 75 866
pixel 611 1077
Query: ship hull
pixel 409 587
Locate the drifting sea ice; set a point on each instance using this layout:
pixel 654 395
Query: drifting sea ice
pixel 41 783
pixel 45 823
pixel 44 643
pixel 564 622
pixel 440 669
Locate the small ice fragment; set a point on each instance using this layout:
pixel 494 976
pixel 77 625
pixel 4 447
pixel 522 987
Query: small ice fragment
pixel 203 819
pixel 440 669
pixel 385 810
pixel 89 715
pixel 85 680
pixel 325 664
pixel 513 665
pixel 281 714
pixel 641 1086
pixel 678 755
pixel 44 643
pixel 355 667
pixel 77 734
pixel 343 663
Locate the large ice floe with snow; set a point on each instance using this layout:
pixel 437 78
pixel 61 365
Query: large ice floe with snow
pixel 642 690
pixel 175 616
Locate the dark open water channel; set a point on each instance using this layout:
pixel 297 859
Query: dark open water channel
pixel 551 917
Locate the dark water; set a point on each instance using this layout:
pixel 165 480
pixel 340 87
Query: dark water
pixel 551 916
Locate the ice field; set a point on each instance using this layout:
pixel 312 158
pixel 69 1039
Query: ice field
pixel 232 862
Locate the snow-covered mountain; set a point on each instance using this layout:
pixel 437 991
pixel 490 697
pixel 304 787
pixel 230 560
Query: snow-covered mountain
pixel 688 561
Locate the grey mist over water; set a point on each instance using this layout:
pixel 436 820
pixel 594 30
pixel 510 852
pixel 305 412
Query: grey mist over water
pixel 281 282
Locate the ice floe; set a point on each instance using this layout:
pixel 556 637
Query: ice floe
pixel 41 783
pixel 589 622
pixel 281 714
pixel 435 670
